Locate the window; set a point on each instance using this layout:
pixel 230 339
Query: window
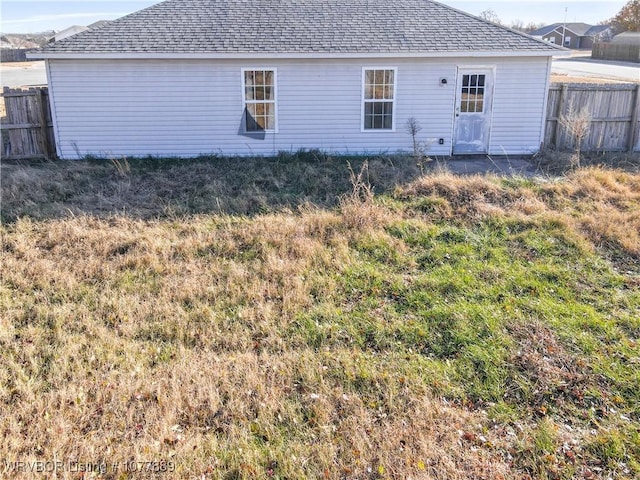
pixel 567 41
pixel 472 98
pixel 378 98
pixel 551 39
pixel 259 88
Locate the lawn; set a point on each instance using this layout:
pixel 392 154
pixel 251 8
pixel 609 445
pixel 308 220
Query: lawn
pixel 293 318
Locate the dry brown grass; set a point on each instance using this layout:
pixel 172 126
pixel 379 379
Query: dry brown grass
pixel 564 78
pixel 601 205
pixel 184 338
pixel 156 367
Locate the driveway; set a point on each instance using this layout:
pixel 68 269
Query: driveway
pixel 604 69
pixel 23 74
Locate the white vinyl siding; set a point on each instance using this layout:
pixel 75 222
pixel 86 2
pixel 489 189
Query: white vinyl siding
pixel 519 99
pixel 193 107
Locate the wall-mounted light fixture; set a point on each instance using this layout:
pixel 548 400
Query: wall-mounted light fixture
pixel 443 82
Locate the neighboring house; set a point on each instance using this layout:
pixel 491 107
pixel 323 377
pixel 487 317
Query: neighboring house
pixel 573 35
pixel 246 77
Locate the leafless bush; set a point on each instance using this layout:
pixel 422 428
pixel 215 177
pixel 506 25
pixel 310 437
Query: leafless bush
pixel 412 127
pixel 576 122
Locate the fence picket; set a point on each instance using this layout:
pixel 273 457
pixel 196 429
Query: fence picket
pixel 27 129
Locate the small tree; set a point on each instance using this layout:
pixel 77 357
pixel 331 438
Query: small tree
pixel 576 123
pixel 490 15
pixel 413 127
pixel 532 27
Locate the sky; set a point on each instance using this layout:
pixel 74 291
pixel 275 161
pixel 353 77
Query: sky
pixel 30 16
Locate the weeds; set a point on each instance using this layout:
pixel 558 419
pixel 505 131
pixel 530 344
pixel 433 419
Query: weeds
pixel 420 149
pixel 457 327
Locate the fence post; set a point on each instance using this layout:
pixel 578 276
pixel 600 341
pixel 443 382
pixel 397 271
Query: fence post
pixel 44 128
pixel 635 124
pixel 562 103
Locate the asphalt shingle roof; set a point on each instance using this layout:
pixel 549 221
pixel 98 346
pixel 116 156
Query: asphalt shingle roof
pixel 297 26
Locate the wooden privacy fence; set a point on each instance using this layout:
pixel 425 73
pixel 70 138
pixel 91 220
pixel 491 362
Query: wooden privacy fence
pixel 27 130
pixel 611 111
pixel 14 54
pixel 616 51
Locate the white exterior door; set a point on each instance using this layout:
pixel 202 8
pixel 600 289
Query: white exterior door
pixel 474 98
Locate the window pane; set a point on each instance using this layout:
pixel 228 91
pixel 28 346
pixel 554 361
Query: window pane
pixel 259 77
pixel 268 77
pixel 250 121
pixel 248 93
pixel 389 77
pixel 368 77
pixel 465 80
pixel 389 92
pixel 268 93
pixel 379 77
pixel 271 121
pixel 368 91
pixel 388 120
pixel 481 79
pixel 248 78
pixel 368 122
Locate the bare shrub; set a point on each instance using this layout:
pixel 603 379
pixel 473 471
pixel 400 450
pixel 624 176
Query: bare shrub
pixel 420 149
pixel 576 122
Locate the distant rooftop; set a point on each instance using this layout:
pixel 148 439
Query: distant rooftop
pixel 580 29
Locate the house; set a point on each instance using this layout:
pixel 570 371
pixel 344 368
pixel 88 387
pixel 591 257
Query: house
pixel 255 77
pixel 573 35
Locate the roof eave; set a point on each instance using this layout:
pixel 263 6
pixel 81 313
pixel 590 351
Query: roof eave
pixel 559 52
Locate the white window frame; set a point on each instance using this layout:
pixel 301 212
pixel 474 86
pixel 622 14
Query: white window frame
pixel 393 101
pixel 245 101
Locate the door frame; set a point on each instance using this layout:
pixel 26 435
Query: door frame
pixel 456 98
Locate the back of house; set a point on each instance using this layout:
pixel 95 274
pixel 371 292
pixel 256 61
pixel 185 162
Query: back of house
pixel 255 77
